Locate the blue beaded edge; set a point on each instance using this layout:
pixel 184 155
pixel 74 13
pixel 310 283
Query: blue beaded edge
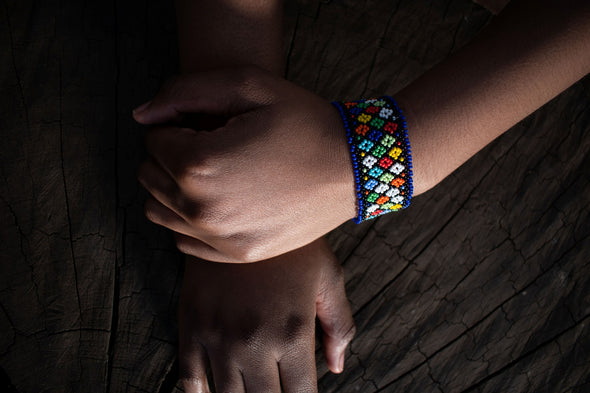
pixel 355 164
pixel 408 153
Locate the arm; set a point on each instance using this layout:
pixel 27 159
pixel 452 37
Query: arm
pixel 295 286
pixel 303 185
pixel 530 53
pixel 221 33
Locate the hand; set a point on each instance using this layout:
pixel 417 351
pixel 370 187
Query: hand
pixel 275 177
pixel 255 324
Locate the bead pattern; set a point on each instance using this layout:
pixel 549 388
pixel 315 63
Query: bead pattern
pixel 381 155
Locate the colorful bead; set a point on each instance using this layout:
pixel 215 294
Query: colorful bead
pixel 380 148
pixel 375 172
pixel 386 178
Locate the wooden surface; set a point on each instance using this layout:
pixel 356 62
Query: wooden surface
pixel 482 285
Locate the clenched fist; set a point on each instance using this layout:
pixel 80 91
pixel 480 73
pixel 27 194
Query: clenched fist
pixel 276 176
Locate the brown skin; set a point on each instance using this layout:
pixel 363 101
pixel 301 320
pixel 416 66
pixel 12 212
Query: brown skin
pixel 533 50
pixel 530 53
pixel 201 181
pixel 221 33
pixel 255 323
pixel 241 318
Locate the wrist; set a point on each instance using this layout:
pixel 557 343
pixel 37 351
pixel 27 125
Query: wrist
pixel 343 175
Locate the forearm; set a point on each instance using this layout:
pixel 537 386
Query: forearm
pixel 222 33
pixel 533 50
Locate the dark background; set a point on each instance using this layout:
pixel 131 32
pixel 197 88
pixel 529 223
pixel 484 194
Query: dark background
pixel 482 285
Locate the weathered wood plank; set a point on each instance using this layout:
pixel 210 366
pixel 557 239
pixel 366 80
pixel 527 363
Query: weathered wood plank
pixel 89 285
pixel 481 285
pixel 57 197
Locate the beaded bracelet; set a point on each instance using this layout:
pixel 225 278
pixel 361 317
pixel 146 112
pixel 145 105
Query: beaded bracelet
pixel 381 155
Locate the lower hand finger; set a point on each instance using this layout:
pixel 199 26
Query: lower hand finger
pixel 298 371
pixel 193 366
pixel 262 377
pixel 227 376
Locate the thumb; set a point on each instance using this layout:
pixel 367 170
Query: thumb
pixel 227 92
pixel 333 311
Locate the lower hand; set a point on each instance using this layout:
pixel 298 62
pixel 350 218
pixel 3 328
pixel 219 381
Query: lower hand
pixel 255 324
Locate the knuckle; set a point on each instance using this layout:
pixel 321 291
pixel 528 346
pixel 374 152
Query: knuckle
pixel 187 175
pixel 192 172
pixel 194 166
pixel 248 254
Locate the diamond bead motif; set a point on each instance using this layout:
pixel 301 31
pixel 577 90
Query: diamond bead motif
pixel 380 149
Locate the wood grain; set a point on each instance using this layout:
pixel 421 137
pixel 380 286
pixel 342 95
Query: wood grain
pixel 482 285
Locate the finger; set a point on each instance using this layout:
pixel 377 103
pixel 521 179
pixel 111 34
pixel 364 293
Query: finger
pixel 333 311
pixel 262 377
pixel 226 375
pixel 297 370
pixel 159 214
pixel 159 184
pixel 193 366
pixel 198 248
pixel 176 150
pixel 225 92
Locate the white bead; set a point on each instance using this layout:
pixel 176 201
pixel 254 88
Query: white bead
pixel 381 188
pixel 372 208
pixel 397 199
pixel 369 161
pixel 385 113
pixel 393 192
pixel 397 168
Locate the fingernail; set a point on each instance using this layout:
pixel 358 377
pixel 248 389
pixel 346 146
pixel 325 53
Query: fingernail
pixel 141 108
pixel 341 362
